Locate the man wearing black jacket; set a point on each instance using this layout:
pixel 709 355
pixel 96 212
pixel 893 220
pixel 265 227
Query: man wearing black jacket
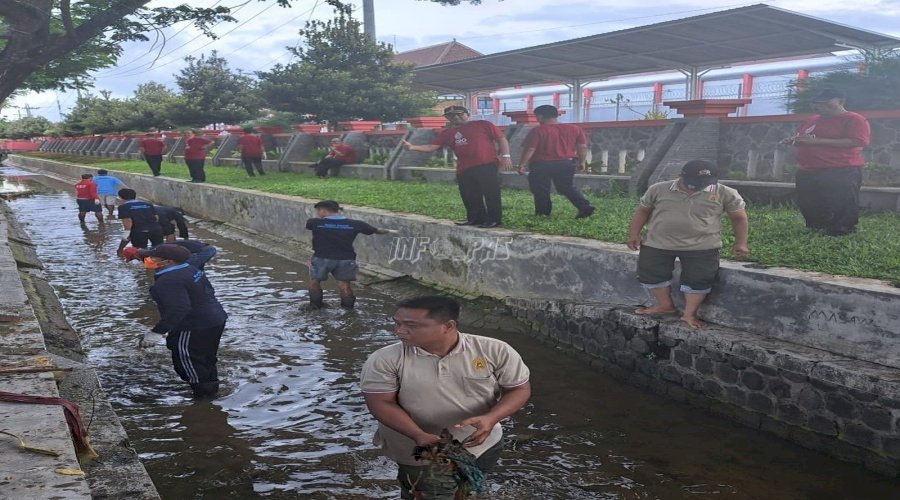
pixel 191 319
pixel 169 218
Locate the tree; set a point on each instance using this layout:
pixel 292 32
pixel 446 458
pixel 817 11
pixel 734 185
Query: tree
pixel 342 75
pixel 211 93
pixel 98 115
pixel 877 87
pixel 55 43
pixel 152 107
pixel 25 128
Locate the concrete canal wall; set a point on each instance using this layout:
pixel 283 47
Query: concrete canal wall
pixel 33 326
pixel 811 357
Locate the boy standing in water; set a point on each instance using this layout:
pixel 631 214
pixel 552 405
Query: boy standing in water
pixel 333 252
pixel 88 198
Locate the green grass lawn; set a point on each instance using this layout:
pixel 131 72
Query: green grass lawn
pixel 777 234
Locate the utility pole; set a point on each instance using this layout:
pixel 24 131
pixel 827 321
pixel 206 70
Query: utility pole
pixel 28 109
pixel 369 18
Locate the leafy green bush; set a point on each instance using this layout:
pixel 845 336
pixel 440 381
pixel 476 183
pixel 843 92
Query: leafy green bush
pixel 318 154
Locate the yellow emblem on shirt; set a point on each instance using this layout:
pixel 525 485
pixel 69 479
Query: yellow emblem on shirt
pixel 479 364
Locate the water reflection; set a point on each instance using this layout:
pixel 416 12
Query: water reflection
pixel 291 424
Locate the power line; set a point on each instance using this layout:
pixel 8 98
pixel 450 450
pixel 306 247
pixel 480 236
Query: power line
pixel 273 29
pixel 299 41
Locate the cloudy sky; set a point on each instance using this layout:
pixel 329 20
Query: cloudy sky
pixel 258 40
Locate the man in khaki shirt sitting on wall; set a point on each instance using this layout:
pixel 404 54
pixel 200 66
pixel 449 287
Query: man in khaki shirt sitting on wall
pixel 439 378
pixel 684 221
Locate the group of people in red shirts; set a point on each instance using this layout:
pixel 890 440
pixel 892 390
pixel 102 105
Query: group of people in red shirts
pixel 251 147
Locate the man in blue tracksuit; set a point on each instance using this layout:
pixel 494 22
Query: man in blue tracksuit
pixel 191 319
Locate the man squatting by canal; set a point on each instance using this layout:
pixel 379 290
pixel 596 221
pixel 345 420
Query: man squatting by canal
pixel 139 221
pixel 476 145
pixel 439 378
pixel 684 221
pixel 333 253
pixel 88 198
pixel 191 318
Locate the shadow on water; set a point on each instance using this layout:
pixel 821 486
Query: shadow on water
pixel 291 423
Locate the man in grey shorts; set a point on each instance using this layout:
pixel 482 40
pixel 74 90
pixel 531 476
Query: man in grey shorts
pixel 333 253
pixel 684 221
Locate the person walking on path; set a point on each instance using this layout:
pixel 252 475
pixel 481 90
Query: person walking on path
pixel 191 319
pixel 552 153
pixel 829 158
pixel 169 218
pixel 476 145
pixel 195 155
pixel 333 253
pixel 684 221
pixel 88 198
pixel 338 154
pixel 252 149
pixel 439 378
pixel 139 221
pixel 108 187
pixel 153 150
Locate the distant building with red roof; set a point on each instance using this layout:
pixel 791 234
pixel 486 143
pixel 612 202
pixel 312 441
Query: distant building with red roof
pixel 437 54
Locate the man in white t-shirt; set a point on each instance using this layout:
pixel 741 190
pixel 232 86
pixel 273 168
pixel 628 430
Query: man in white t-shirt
pixel 439 378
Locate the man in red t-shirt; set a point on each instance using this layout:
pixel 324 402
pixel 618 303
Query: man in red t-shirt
pixel 88 198
pixel 195 155
pixel 551 153
pixel 338 154
pixel 476 144
pixel 252 148
pixel 830 162
pixel 153 150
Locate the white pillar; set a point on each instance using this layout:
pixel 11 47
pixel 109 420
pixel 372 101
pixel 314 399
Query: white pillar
pixel 623 155
pixel 604 157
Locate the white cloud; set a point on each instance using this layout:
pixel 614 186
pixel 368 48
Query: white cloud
pixel 492 26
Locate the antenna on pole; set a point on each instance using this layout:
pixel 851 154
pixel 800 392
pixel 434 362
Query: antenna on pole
pixel 369 18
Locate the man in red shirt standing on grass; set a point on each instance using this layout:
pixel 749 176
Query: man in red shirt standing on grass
pixel 153 150
pixel 251 146
pixel 476 144
pixel 88 198
pixel 830 162
pixel 195 155
pixel 551 153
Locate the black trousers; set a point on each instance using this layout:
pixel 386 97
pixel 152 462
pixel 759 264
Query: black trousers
pixel 326 164
pixel 139 239
pixel 250 162
pixel 155 163
pixel 562 174
pixel 829 199
pixel 195 167
pixel 479 188
pixel 194 354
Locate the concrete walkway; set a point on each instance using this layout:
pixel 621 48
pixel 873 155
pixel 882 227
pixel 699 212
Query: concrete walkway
pixel 23 474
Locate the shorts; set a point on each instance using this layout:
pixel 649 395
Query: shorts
pixel 699 268
pixel 167 228
pixel 88 205
pixel 140 239
pixel 108 199
pixel 342 270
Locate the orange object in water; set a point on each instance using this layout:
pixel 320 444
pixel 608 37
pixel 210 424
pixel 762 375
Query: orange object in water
pixel 151 264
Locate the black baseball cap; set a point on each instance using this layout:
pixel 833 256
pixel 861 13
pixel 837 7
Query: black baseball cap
pixel 328 205
pixel 826 95
pixel 700 172
pixel 168 251
pixel 455 110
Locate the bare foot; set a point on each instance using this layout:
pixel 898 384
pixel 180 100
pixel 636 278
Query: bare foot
pixel 693 322
pixel 649 311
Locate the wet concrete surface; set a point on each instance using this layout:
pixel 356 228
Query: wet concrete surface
pixel 290 422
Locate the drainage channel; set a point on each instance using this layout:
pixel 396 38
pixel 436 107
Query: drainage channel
pixel 290 421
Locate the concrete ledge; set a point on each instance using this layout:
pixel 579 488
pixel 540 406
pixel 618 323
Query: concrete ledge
pixel 820 400
pixel 856 318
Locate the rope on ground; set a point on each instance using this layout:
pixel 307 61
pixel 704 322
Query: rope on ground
pixel 73 419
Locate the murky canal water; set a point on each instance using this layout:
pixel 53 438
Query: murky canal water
pixel 290 422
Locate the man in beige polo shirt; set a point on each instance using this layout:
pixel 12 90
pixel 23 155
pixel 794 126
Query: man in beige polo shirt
pixel 684 221
pixel 439 378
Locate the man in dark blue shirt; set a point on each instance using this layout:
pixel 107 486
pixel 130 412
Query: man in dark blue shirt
pixel 139 220
pixel 190 318
pixel 169 218
pixel 333 252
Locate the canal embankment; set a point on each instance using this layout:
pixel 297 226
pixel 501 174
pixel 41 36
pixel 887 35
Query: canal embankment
pixel 809 357
pixel 34 332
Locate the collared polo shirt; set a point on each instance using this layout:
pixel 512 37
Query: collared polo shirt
pixel 688 221
pixel 440 392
